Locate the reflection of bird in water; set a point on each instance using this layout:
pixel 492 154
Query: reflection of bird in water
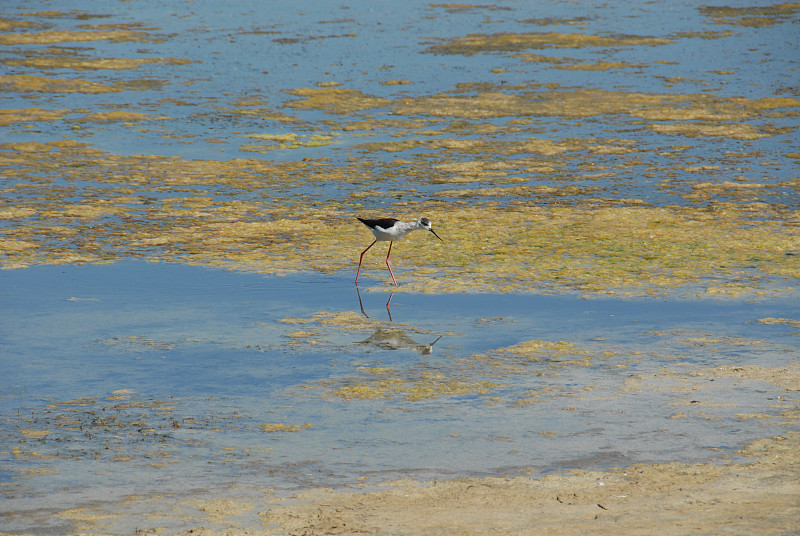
pixel 389 230
pixel 361 304
pixel 396 339
pixel 388 338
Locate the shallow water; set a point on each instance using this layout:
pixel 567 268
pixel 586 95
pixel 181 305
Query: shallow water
pixel 164 383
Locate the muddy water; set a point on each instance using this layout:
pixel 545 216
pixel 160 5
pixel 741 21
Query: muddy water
pixel 616 186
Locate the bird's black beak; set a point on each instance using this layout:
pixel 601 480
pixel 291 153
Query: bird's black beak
pixel 436 235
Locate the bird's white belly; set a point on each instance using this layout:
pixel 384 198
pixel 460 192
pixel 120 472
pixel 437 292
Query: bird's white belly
pixel 386 236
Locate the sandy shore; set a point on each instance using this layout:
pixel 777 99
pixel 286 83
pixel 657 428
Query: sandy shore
pixel 761 496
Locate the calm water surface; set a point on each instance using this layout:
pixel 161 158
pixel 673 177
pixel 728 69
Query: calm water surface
pixel 164 382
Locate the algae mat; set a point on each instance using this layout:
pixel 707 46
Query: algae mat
pixel 660 168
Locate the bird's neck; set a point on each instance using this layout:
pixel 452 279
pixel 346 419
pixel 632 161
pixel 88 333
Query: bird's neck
pixel 407 226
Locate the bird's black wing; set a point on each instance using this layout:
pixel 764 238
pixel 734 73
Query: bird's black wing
pixel 383 223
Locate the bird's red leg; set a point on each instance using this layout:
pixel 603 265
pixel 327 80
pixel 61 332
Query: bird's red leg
pixel 387 264
pixel 361 258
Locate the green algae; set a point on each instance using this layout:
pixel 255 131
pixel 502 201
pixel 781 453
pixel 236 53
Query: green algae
pixel 289 140
pixel 549 216
pixel 565 102
pixel 41 84
pixel 334 100
pixel 514 42
pixel 787 321
pixel 751 16
pixel 56 36
pixel 139 207
pixel 60 59
pixel 24 115
pixel 389 383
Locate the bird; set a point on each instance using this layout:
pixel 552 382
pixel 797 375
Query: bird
pixel 389 230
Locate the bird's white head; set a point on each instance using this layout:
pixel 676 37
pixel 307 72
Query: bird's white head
pixel 425 223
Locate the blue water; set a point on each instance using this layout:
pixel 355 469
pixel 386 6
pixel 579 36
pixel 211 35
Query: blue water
pixel 251 50
pixel 211 345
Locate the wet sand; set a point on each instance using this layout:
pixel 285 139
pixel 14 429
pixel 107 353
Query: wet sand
pixel 761 496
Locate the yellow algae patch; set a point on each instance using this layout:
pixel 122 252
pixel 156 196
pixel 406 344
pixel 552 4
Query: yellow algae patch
pixel 89 210
pixel 410 384
pixel 16 212
pixel 335 100
pixel 538 349
pixel 81 64
pixel 302 334
pixel 512 42
pixel 11 246
pixel 55 36
pixel 598 66
pixel 280 427
pixel 748 416
pixel 470 102
pixel 10 24
pixel 736 131
pixel 751 16
pixel 287 137
pixel 287 140
pixel 349 320
pixel 43 84
pixel 117 116
pixel 294 320
pixel 135 343
pixel 263 113
pixel 254 106
pixel 22 115
pixel 35 434
pixel 486 192
pixel 787 321
pixel 495 102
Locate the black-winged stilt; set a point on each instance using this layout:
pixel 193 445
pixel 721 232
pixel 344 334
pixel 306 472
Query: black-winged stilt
pixel 389 230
